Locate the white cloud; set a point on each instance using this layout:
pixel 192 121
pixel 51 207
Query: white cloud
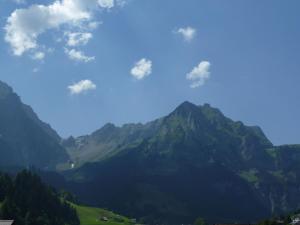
pixel 199 75
pixel 81 87
pixel 78 38
pixel 78 55
pixel 24 26
pixel 188 33
pixel 142 69
pixel 38 55
pixel 106 3
pixel 93 25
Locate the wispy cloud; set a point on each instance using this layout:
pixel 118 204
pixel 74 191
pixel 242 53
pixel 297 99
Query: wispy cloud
pixel 78 38
pixel 106 3
pixel 38 56
pixel 79 56
pixel 20 1
pixel 188 33
pixel 142 69
pixel 81 87
pixel 200 74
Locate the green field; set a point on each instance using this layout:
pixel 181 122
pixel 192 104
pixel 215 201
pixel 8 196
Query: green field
pixel 97 216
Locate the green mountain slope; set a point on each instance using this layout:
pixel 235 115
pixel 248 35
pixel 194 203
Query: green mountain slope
pixel 107 141
pixel 96 216
pixel 24 139
pixel 193 162
pixel 189 123
pixel 27 200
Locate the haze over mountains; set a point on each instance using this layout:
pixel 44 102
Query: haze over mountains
pixel 193 162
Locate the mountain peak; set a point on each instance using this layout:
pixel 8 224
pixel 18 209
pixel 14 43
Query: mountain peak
pixel 212 113
pixel 5 89
pixel 187 104
pixel 109 126
pixel 203 111
pixel 185 108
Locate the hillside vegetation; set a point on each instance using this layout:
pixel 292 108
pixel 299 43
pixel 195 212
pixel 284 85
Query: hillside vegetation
pixel 28 201
pixel 96 216
pixel 193 162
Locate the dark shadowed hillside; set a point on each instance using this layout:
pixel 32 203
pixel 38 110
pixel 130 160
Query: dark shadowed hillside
pixel 24 139
pixel 28 201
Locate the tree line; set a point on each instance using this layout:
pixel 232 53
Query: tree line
pixel 28 201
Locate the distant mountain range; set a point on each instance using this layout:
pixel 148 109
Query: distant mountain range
pixel 193 162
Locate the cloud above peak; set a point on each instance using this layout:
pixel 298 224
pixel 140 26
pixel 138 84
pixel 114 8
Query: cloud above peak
pixel 82 86
pixel 199 75
pixel 142 69
pixel 24 26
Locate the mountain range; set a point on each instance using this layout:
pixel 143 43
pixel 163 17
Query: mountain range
pixel 194 162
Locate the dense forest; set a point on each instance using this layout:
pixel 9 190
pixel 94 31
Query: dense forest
pixel 28 201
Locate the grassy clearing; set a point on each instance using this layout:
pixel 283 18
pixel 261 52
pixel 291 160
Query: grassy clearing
pixel 97 216
pixel 250 176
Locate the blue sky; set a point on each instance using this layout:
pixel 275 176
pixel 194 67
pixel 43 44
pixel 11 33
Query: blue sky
pixel 252 48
